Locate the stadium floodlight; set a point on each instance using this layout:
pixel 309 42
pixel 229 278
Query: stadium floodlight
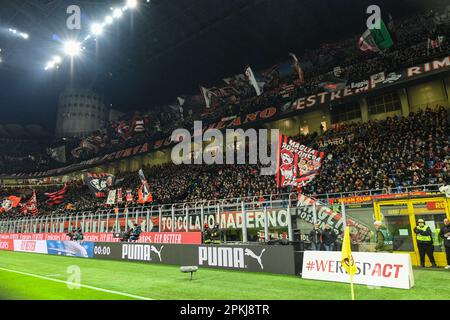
pixel 97 29
pixel 109 20
pixel 72 48
pixel 54 63
pixel 50 65
pixel 117 13
pixel 132 4
pixel 24 35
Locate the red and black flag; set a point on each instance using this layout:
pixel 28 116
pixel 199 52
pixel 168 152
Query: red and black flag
pixel 57 197
pixel 297 164
pixel 30 206
pixel 100 183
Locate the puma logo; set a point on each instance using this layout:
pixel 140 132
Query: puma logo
pixel 153 248
pixel 251 254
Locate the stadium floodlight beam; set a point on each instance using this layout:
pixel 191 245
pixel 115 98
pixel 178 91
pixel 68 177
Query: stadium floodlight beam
pixel 117 13
pixel 96 29
pixel 72 48
pixel 109 20
pixel 132 4
pixel 50 65
pixel 54 63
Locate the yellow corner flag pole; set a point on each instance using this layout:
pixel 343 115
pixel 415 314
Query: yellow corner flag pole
pixel 351 287
pixel 347 259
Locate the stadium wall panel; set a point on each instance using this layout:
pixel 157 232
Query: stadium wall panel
pixel 427 94
pixel 7 245
pixel 253 258
pixel 276 259
pixel 145 237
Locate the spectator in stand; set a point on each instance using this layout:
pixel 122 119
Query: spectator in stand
pixel 315 236
pixel 329 238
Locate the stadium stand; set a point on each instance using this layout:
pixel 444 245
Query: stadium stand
pixel 389 154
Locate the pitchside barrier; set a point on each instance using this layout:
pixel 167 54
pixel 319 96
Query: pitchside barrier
pixel 373 269
pixel 145 237
pixel 249 219
pixel 253 258
pixel 287 217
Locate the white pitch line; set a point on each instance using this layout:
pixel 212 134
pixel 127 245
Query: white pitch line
pixel 81 285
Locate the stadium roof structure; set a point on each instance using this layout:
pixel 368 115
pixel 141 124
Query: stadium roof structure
pixel 169 48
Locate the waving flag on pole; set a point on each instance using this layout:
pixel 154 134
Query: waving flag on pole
pixel 9 203
pixel 119 195
pixel 144 194
pixel 347 259
pixel 298 69
pixel 129 196
pixel 30 206
pixel 376 40
pixel 434 43
pixel 252 79
pixel 297 164
pixel 57 197
pixel 207 96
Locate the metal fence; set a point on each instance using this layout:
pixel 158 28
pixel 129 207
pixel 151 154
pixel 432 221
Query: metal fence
pixel 183 217
pixel 191 216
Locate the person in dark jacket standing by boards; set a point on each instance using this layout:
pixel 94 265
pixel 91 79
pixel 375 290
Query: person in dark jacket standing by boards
pixel 315 237
pixel 445 234
pixel 329 238
pixel 424 242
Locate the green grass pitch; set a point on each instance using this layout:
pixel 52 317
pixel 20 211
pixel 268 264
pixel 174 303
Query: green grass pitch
pixel 116 280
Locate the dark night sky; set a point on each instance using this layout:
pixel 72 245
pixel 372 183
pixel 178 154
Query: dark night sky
pixel 165 49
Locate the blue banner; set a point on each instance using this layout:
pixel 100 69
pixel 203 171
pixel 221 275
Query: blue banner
pixel 71 248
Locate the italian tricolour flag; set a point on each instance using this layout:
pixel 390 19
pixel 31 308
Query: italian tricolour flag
pixel 376 39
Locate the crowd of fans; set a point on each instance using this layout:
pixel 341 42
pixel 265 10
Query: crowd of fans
pixel 391 154
pixel 411 38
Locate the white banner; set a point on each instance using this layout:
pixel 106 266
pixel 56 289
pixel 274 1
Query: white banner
pixel 252 79
pixel 374 269
pixel 111 197
pixel 35 246
pixel 228 220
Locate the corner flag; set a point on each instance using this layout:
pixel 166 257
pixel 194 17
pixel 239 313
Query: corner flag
pixel 347 259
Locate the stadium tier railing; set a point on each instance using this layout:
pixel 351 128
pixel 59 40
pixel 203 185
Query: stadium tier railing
pixel 272 216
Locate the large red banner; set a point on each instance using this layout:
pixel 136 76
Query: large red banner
pixel 145 237
pixel 297 164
